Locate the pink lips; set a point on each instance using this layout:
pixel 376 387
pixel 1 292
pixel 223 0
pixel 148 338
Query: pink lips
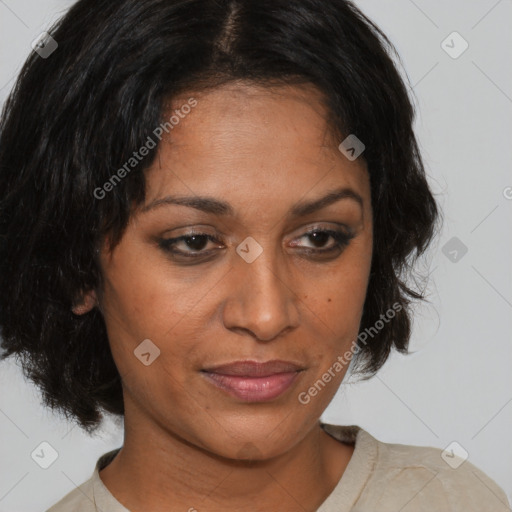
pixel 251 381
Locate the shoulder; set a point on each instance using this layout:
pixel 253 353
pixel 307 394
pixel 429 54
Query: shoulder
pixel 88 496
pixel 415 478
pixel 427 478
pixel 80 499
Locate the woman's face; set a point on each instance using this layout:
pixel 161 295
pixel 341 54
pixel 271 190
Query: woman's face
pixel 252 285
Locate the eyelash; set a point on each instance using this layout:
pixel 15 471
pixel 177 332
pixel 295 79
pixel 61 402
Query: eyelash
pixel 341 238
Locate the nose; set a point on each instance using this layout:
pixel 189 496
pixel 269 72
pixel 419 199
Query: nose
pixel 262 301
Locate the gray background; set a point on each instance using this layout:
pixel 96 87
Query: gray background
pixel 457 386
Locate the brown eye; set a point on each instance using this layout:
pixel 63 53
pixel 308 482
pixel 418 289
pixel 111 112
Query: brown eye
pixel 191 245
pixel 196 242
pixel 320 237
pixel 194 245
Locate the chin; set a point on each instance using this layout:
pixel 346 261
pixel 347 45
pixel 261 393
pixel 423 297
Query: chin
pixel 253 441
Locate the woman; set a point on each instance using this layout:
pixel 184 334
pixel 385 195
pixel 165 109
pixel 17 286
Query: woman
pixel 203 203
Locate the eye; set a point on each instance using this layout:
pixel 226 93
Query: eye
pixel 190 245
pixel 193 245
pixel 319 239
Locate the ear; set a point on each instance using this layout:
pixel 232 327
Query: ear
pixel 88 301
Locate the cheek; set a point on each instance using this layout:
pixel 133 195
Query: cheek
pixel 148 299
pixel 337 299
pixel 335 304
pixel 145 297
pixel 337 314
pixel 147 314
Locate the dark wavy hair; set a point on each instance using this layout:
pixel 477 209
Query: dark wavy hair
pixel 74 116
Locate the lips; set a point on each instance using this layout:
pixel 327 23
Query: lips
pixel 254 368
pixel 251 381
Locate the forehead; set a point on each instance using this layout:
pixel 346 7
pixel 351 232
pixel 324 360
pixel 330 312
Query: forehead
pixel 244 115
pixel 251 139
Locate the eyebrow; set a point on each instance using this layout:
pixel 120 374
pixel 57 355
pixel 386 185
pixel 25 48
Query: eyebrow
pixel 218 207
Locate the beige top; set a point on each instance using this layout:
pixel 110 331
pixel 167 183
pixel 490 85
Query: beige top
pixel 380 477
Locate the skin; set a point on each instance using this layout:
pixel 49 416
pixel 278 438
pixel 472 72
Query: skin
pixel 189 445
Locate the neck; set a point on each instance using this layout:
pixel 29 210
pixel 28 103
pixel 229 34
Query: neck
pixel 156 469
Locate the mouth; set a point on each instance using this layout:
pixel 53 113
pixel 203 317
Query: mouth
pixel 251 381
